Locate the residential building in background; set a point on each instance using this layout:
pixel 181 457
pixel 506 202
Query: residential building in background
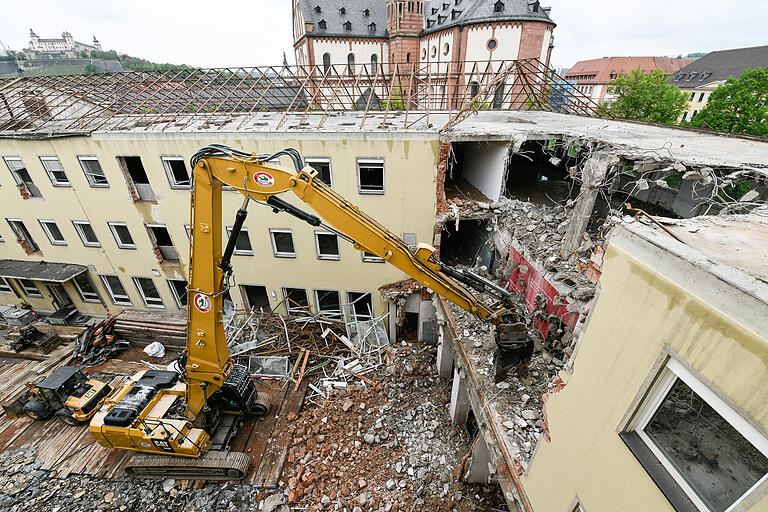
pixel 591 77
pixel 702 76
pixel 370 33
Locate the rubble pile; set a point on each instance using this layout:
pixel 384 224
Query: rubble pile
pixel 388 447
pixel 23 486
pixel 519 397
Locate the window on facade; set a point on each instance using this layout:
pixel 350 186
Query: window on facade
pixel 149 294
pixel 693 95
pixel 55 171
pixel 423 54
pixel 243 243
pixel 21 176
pixel 5 286
pixel 492 44
pixel 30 288
pixel 701 97
pixel 116 290
pixel 122 235
pixel 93 171
pixel 296 301
pixel 474 89
pixel 22 235
pixel 136 177
pixel 342 11
pixel 256 297
pixel 328 303
pixel 53 232
pixel 176 170
pixel 323 168
pixel 446 48
pixel 693 114
pixel 713 454
pixel 351 63
pixel 371 258
pixel 411 240
pixel 370 176
pixel 161 240
pixel 318 9
pixel 282 243
pixel 372 28
pixel 326 62
pixel 347 25
pixel 322 24
pixel 433 52
pixel 327 245
pixel 374 63
pixel 86 233
pixel 366 12
pixel 179 291
pixel 86 289
pixel 361 303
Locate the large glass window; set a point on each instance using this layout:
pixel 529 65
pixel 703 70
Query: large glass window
pixel 176 170
pixel 122 235
pixel 116 290
pixel 243 243
pixel 370 176
pixel 711 452
pixel 296 301
pixel 53 232
pixel 282 243
pixel 86 233
pixel 148 291
pixel 86 289
pixel 93 171
pixel 327 245
pixel 323 168
pixel 55 171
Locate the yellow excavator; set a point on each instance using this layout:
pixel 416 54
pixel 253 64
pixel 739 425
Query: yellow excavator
pixel 181 422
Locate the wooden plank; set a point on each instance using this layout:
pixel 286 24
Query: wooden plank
pixel 282 442
pixel 262 433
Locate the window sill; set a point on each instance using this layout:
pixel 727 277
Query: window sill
pixel 658 473
pixel 151 306
pixel 371 192
pixel 242 253
pixel 285 255
pixel 329 258
pixel 130 248
pixel 92 245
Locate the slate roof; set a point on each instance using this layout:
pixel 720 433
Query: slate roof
pixel 441 14
pixel 602 69
pixel 40 270
pixel 353 13
pixel 719 66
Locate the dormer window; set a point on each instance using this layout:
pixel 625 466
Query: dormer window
pixel 366 12
pixel 441 19
pixel 704 75
pixel 434 11
pixel 342 11
pixel 455 14
pixel 445 6
pixel 318 10
pixel 498 6
pixel 372 28
pixel 322 24
pixel 458 2
pixel 534 6
pixel 348 25
pixel 430 22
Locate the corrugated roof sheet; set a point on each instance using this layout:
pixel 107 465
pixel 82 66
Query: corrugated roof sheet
pixel 40 270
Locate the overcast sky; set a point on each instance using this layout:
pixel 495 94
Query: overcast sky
pixel 256 32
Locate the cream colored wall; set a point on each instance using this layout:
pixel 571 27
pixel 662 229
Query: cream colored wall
pixel 340 50
pixel 638 312
pixel 508 37
pixel 408 205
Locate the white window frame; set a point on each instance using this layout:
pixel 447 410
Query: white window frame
pixel 349 301
pixel 240 252
pixel 371 161
pixel 35 294
pixel 117 300
pixel 5 286
pixel 120 244
pixel 322 160
pixel 46 229
pixel 78 228
pixel 370 258
pixel 169 172
pixel 97 299
pixel 289 308
pixel 175 295
pixel 33 192
pixel 49 172
pixel 161 305
pixel 275 252
pixel 30 240
pixel 331 257
pixel 89 176
pixel 329 313
pixel 672 371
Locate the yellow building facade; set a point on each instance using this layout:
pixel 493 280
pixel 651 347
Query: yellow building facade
pixel 675 334
pixel 128 225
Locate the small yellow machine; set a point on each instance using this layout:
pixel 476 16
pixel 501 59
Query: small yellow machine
pixel 182 422
pixel 67 393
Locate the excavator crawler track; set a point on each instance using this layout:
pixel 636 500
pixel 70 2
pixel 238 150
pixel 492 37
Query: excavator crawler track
pixel 214 465
pixel 262 404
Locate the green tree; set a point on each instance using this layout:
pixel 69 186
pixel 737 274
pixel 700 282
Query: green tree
pixel 646 97
pixel 739 106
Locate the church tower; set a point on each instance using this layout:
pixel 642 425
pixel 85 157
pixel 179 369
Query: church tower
pixel 405 19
